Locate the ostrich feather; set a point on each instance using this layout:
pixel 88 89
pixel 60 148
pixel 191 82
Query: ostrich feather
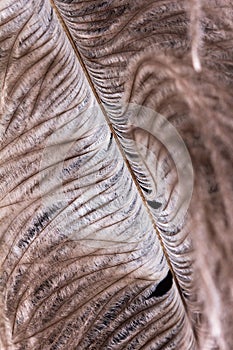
pixel 116 175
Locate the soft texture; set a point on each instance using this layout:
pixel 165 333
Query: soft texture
pixel 83 251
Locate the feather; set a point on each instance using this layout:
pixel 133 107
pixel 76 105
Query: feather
pixel 102 105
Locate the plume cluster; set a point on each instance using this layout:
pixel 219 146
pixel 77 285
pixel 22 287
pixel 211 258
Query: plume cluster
pixel 192 86
pixel 89 259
